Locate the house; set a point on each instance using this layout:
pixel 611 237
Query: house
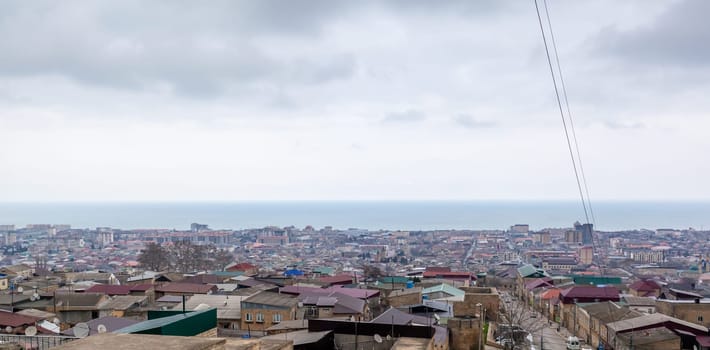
pixel 591 319
pixel 443 292
pixel 334 304
pixel 695 311
pixel 188 289
pixel 245 268
pixel 644 305
pixel 204 279
pixel 15 322
pixel 525 273
pixel 123 306
pixel 636 328
pixel 72 308
pixel 583 294
pixel 4 281
pixel 20 270
pixel 265 309
pixel 342 279
pixel 645 288
pixel 559 264
pixel 228 308
pixel 678 294
pixel 406 296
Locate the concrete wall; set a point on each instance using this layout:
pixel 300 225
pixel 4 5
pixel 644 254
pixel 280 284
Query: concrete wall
pixel 405 300
pixel 464 333
pixel 687 311
pixel 286 315
pixel 474 295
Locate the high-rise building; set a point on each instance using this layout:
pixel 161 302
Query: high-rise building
pixel 587 231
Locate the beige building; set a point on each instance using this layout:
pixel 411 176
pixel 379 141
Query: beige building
pixel 695 311
pixel 266 309
pixel 405 297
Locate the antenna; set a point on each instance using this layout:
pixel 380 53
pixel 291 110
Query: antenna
pixel 31 331
pixel 378 338
pixel 101 329
pixel 81 330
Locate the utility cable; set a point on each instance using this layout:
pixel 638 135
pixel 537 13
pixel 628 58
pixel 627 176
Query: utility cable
pixel 562 114
pixel 569 112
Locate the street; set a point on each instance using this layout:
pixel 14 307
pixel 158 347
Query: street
pixel 537 325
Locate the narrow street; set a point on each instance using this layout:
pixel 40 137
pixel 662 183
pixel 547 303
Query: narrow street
pixel 541 326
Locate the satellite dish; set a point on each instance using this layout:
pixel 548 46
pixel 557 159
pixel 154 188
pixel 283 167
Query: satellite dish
pixel 82 243
pixel 300 304
pixel 202 306
pixel 8 329
pixel 389 337
pixel 378 338
pixel 20 289
pixel 56 321
pixel 31 331
pixel 81 330
pixel 101 329
pixel 437 317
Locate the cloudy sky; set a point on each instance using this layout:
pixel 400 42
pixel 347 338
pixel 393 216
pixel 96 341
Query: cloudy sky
pixel 245 100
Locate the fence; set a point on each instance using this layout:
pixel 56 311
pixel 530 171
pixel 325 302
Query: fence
pixel 37 342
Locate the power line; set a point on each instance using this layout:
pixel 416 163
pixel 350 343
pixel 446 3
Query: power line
pixel 569 112
pixel 562 113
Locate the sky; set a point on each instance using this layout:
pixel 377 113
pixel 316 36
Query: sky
pixel 350 100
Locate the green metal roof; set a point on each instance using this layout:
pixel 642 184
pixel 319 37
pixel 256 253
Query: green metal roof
pixel 531 271
pixel 595 280
pixel 187 324
pixel 444 288
pixel 394 279
pixel 324 270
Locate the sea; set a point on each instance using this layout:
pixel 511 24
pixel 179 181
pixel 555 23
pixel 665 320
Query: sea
pixel 370 215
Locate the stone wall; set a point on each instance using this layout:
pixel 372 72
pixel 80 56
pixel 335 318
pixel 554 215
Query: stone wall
pixel 698 313
pixel 488 297
pixel 465 333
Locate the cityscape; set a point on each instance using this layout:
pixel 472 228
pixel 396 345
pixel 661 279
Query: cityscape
pixel 306 287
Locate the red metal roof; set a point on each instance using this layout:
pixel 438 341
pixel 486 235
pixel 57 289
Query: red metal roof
pixel 337 279
pixel 645 286
pixel 15 320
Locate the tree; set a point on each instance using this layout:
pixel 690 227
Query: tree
pixel 154 257
pixel 516 321
pixel 222 258
pixel 371 272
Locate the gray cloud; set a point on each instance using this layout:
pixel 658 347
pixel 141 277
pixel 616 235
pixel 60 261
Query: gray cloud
pixel 408 116
pixel 677 37
pixel 624 124
pixel 470 122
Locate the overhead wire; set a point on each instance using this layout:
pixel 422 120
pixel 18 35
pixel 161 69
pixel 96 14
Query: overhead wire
pixel 562 113
pixel 569 112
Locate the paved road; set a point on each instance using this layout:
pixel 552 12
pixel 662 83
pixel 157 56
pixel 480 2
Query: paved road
pixel 551 338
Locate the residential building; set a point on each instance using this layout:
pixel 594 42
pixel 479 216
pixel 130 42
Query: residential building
pixel 266 309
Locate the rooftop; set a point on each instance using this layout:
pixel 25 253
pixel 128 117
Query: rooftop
pixel 274 299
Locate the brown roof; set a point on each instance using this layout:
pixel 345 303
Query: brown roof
pixel 15 320
pixel 177 287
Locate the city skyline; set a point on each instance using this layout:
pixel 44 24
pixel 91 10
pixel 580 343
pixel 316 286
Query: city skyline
pixel 349 101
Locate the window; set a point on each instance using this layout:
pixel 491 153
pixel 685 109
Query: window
pixel 248 318
pixel 259 317
pixel 277 318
